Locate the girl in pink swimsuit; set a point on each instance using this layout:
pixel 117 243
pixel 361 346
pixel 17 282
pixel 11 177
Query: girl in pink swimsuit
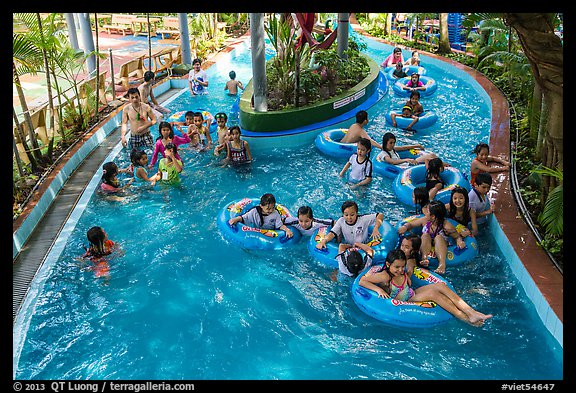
pixel 110 183
pixel 392 282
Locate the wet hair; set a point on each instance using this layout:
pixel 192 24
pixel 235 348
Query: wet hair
pixel 354 262
pixel 165 124
pixel 392 256
pixel 305 211
pixel 483 178
pixel 148 75
pixel 415 93
pixel 368 145
pixel 396 50
pixel 232 74
pixel 196 60
pixel 136 155
pixel 189 114
pixel 421 198
pixel 132 90
pixel 96 237
pixel 452 208
pixel 387 136
pixel 416 242
pixel 438 210
pixel 361 116
pixel 267 199
pixel 348 204
pixel 435 166
pixel 199 114
pixel 481 146
pixel 172 147
pixel 399 64
pixel 109 172
pixel 230 129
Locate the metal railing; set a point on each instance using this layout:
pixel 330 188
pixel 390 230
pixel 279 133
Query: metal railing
pixel 515 188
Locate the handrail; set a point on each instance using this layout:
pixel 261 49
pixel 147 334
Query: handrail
pixel 518 197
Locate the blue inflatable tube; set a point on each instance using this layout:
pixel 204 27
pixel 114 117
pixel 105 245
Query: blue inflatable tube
pixel 328 142
pixel 254 238
pixel 399 313
pixel 409 70
pixel 327 255
pixel 425 119
pixel 180 117
pixel 454 255
pixel 381 167
pixel 429 83
pixel 415 176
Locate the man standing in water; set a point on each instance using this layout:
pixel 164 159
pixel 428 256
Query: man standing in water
pixel 141 118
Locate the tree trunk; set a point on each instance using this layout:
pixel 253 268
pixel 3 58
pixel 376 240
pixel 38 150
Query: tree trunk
pixel 98 64
pixel 26 154
pixel 544 51
pixel 388 27
pixel 48 90
pixel 35 147
pixel 536 136
pixel 444 40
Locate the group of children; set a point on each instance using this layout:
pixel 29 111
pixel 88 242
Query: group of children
pixel 468 209
pixel 351 231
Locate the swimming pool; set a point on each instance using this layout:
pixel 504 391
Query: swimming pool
pixel 183 303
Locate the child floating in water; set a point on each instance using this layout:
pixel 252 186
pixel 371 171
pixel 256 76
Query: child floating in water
pixel 306 223
pixel 361 172
pixel 264 216
pixel 392 282
pixel 100 246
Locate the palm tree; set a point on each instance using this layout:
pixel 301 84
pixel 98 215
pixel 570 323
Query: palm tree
pixel 43 46
pixel 25 57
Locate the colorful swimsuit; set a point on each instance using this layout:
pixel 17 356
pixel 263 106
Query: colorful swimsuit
pixel 401 292
pixel 238 155
pixel 437 231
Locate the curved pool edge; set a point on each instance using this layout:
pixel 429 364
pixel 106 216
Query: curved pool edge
pixel 541 281
pixel 537 274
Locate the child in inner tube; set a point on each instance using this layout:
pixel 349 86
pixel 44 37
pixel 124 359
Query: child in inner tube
pixel 392 282
pixel 264 216
pixel 352 227
pixel 406 113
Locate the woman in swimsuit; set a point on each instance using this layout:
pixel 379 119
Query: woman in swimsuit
pixel 391 282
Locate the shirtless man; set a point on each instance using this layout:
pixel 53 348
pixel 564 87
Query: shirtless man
pixel 232 85
pixel 356 131
pixel 147 95
pixel 137 113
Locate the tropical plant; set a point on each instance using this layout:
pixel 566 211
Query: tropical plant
pixel 552 216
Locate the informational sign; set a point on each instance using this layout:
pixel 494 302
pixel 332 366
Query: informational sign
pixel 349 99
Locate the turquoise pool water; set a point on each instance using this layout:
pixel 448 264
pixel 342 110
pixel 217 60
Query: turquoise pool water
pixel 183 303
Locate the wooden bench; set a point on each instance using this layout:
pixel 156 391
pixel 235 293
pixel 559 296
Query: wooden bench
pixel 89 85
pixel 170 27
pixel 38 116
pixel 131 71
pixel 120 24
pixel 162 60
